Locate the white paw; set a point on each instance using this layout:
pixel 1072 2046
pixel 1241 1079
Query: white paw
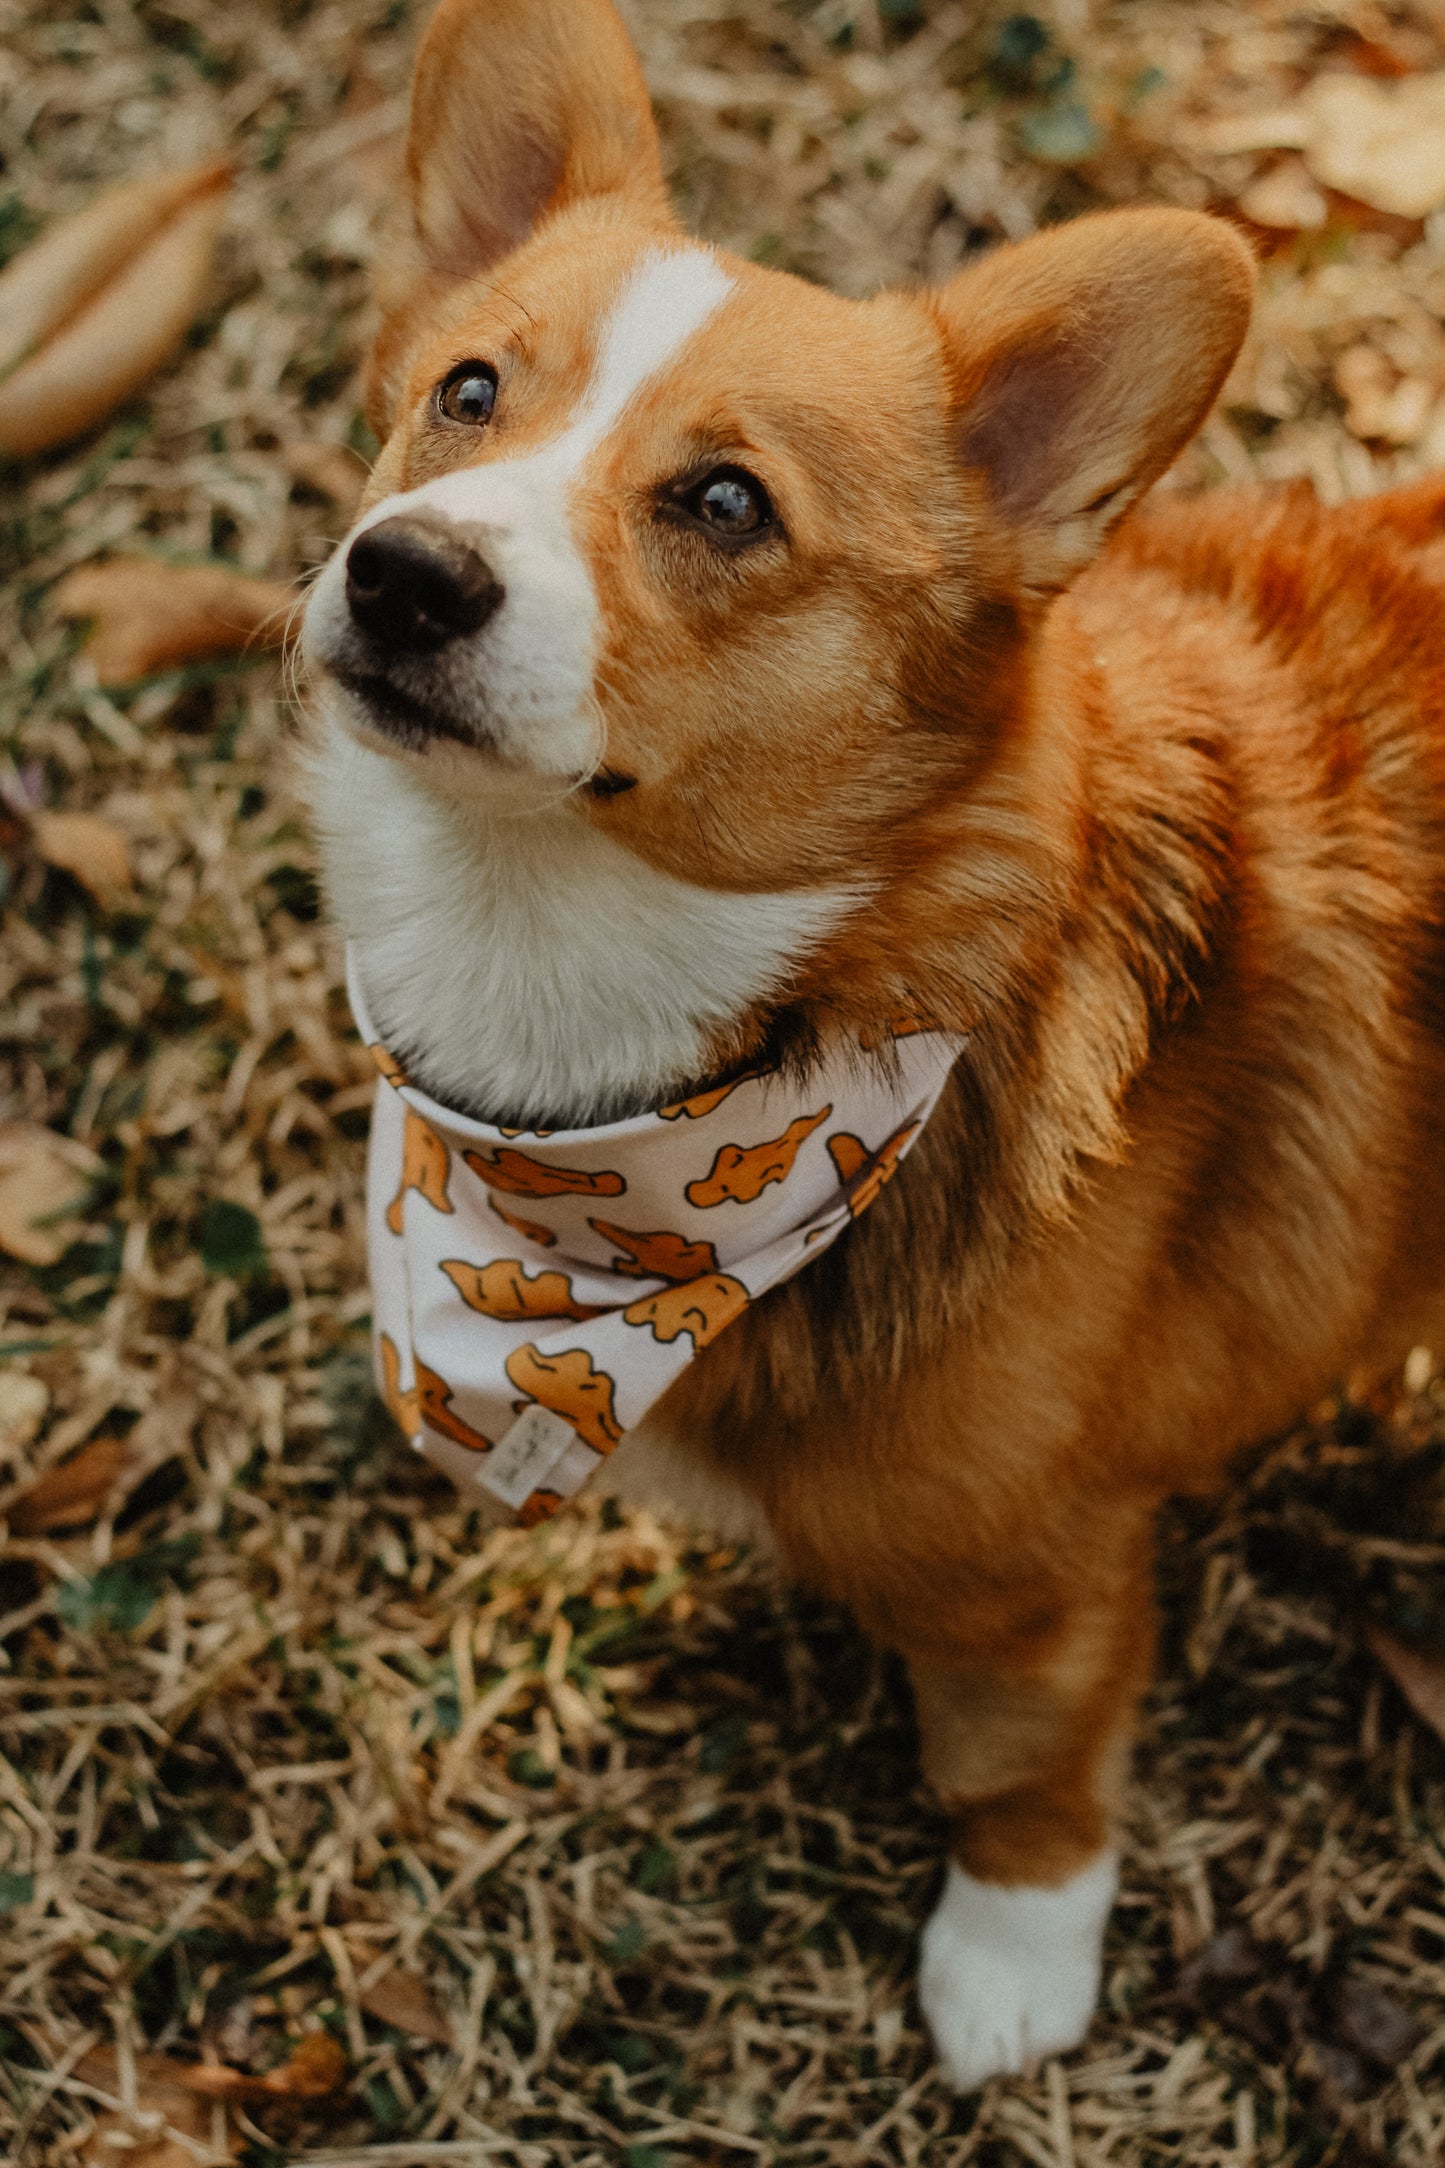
pixel 1010 1975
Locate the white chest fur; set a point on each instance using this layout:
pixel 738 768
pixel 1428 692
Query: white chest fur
pixel 532 968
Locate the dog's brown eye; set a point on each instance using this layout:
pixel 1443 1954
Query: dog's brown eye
pixel 731 502
pixel 469 393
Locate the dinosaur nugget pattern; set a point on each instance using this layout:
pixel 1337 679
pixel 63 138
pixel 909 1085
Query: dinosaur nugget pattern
pixel 539 1506
pixel 571 1388
pixel 532 1230
pixel 507 1291
pixel 741 1172
pixel 434 1402
pixel 387 1063
pixel 521 1176
pixel 521 1334
pixel 703 1103
pixel 850 1155
pixel 424 1167
pixel 405 1405
pixel 701 1307
pixel 660 1256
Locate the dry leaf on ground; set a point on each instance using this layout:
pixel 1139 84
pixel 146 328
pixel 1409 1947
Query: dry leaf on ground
pixel 43 1181
pixel 93 307
pixel 105 1471
pixel 1382 143
pixel 1419 1674
pixel 73 1492
pixel 404 2000
pixel 151 2134
pixel 316 2066
pixel 150 616
pixel 90 849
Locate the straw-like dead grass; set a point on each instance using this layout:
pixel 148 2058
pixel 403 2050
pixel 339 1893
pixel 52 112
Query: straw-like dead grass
pixel 592 1845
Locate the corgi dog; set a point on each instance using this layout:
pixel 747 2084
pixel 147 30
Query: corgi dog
pixel 719 669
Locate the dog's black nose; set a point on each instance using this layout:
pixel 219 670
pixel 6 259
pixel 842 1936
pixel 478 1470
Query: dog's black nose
pixel 413 582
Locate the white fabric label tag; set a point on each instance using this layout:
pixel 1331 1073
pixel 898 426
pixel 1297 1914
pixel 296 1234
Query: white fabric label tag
pixel 521 1462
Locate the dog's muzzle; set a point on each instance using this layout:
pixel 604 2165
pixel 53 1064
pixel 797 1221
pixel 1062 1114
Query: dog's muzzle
pixel 418 590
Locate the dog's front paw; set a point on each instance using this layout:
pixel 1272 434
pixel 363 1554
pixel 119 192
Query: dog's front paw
pixel 1009 1975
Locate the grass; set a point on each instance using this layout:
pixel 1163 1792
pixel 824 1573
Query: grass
pixel 642 1830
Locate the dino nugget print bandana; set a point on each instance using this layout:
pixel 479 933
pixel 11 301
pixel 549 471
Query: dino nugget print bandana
pixel 535 1292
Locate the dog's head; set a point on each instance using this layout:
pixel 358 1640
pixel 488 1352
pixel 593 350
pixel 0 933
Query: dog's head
pixel 751 566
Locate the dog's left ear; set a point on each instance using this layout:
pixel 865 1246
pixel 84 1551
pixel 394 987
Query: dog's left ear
pixel 1082 362
pixel 518 108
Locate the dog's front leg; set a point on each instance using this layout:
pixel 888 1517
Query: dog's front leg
pixel 1028 1753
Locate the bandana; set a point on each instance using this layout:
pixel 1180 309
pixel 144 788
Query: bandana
pixel 535 1292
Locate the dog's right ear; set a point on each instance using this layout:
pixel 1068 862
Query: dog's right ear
pixel 518 108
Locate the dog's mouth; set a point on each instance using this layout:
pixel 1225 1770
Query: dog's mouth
pixel 404 720
pixel 412 725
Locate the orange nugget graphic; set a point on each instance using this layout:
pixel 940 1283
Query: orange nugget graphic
pixel 570 1387
pixel 850 1155
pixel 903 1026
pixel 424 1167
pixel 403 1406
pixel 538 1508
pixel 506 1291
pixel 660 1256
pixel 532 1229
pixel 702 1308
pixel 704 1102
pixel 434 1397
pixel 743 1171
pixel 387 1063
pixel 520 1176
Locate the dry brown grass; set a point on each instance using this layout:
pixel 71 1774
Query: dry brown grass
pixel 283 1728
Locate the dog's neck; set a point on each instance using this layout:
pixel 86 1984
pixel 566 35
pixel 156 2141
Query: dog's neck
pixel 527 969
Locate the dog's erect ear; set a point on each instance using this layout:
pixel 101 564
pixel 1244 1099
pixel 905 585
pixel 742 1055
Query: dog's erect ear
pixel 1082 362
pixel 519 107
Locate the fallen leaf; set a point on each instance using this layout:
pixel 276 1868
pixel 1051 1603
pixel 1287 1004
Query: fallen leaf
pixel 151 616
pixel 160 2093
pixel 90 849
pixel 105 1471
pixel 1374 56
pixel 1419 1674
pixel 331 470
pixel 1381 142
pixel 73 1492
pixel 404 2000
pixel 94 306
pixel 43 1179
pixel 316 2066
